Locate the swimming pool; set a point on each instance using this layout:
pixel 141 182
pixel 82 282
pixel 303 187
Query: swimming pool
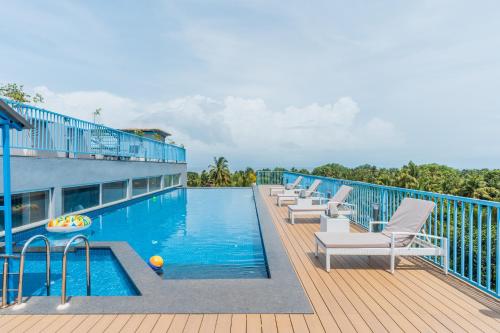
pixel 200 233
pixel 107 275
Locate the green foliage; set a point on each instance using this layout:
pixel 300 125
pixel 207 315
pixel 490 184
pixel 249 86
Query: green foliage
pixel 219 175
pixel 193 179
pixel 16 92
pixel 474 183
pixel 157 137
pixel 304 171
pixel 139 132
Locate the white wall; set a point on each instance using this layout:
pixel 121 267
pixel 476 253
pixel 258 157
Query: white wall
pixel 31 173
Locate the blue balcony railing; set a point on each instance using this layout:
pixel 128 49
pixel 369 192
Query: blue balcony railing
pixel 57 133
pixel 470 225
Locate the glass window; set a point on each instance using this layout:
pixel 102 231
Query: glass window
pixel 167 180
pixel 81 197
pixel 114 191
pixel 39 206
pixel 154 183
pixel 177 179
pixel 27 208
pixel 139 186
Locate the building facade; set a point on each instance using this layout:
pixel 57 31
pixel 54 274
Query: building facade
pixel 65 165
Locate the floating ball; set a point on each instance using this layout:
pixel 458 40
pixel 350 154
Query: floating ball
pixel 155 262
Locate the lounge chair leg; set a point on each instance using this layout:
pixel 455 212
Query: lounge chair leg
pixel 393 260
pixel 292 218
pixel 327 261
pixel 317 250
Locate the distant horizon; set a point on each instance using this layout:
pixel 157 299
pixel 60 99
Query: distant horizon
pixel 199 169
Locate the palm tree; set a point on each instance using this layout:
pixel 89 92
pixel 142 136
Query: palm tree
pixel 473 186
pixel 219 173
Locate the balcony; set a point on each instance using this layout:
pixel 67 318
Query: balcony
pixel 57 135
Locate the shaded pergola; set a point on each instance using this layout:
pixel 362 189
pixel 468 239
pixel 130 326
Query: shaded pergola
pixel 9 120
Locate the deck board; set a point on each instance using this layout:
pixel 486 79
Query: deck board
pixel 58 323
pixel 357 295
pixel 193 323
pixel 238 323
pixel 178 323
pixel 163 323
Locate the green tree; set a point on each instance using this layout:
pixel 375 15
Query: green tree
pixel 219 173
pixel 16 92
pixel 204 179
pixel 250 177
pixel 333 170
pixel 194 179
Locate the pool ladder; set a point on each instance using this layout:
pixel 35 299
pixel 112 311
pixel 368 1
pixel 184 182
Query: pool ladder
pixel 64 266
pixel 22 258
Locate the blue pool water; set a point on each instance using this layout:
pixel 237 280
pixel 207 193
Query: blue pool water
pixel 107 279
pixel 200 233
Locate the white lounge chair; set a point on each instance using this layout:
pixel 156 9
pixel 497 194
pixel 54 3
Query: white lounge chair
pixel 401 237
pixel 293 195
pixel 291 186
pixel 337 202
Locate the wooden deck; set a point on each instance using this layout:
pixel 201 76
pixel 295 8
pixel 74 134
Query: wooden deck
pixel 358 295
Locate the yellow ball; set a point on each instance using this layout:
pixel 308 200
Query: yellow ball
pixel 156 261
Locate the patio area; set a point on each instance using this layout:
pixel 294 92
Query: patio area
pixel 358 295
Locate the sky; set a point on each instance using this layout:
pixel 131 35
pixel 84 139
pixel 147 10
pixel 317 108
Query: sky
pixel 272 83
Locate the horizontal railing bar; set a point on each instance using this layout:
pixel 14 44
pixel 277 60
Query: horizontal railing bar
pixel 417 192
pixel 53 132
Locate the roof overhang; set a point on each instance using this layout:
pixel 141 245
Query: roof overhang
pixel 10 116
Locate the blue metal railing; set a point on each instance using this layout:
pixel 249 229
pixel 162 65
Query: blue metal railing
pixel 53 132
pixel 470 225
pixel 270 177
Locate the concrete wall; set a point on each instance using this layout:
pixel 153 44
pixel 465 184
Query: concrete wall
pixel 31 173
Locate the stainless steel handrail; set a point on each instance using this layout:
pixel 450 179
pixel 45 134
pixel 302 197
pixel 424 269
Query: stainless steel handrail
pixel 21 266
pixel 64 259
pixel 6 258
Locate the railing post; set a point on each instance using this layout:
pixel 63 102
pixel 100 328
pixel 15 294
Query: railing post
pixel 75 139
pixel 383 204
pixel 7 208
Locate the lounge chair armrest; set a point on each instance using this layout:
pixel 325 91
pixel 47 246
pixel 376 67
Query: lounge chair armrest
pixel 315 194
pixel 443 240
pixel 343 204
pixel 372 223
pixel 418 234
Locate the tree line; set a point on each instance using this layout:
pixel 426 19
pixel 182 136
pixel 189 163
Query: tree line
pixel 219 175
pixel 474 183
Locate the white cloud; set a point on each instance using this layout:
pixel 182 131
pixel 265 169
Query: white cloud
pixel 246 131
pixel 81 104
